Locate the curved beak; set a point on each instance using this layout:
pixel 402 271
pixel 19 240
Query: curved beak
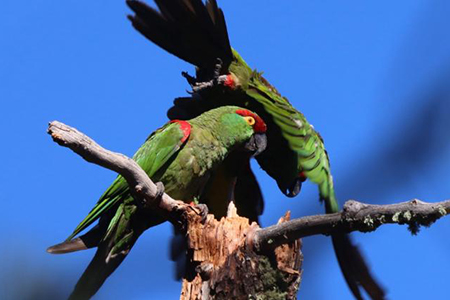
pixel 257 143
pixel 293 189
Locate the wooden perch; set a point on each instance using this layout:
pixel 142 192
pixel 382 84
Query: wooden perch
pixel 231 258
pixel 356 216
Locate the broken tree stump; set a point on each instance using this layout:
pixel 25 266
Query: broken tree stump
pixel 222 263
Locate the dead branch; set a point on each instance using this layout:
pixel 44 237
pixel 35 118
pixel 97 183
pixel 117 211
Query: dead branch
pixel 146 192
pixel 356 216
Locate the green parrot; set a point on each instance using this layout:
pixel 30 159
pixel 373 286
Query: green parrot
pixel 196 32
pixel 187 158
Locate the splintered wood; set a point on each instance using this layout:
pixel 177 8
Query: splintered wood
pixel 223 266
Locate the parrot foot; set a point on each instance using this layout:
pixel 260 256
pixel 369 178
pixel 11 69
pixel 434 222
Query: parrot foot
pixel 143 203
pixel 159 190
pixel 202 210
pixel 218 68
pixel 190 79
pixel 198 86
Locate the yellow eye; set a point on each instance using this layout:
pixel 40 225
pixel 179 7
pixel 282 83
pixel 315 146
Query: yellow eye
pixel 250 120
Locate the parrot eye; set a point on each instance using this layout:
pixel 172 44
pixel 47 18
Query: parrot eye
pixel 250 120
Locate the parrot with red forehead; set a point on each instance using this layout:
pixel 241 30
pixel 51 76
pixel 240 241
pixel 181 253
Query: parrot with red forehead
pixel 196 32
pixel 188 158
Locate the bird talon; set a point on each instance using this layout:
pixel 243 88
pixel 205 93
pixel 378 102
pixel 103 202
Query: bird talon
pixel 203 208
pixel 198 87
pixel 218 68
pixel 190 79
pixel 159 190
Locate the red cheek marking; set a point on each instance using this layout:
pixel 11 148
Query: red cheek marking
pixel 229 82
pixel 185 127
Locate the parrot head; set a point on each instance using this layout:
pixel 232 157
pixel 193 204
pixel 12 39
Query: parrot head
pixel 258 141
pixel 239 128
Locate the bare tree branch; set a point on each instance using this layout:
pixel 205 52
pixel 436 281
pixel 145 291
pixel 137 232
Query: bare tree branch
pixel 143 189
pixel 356 216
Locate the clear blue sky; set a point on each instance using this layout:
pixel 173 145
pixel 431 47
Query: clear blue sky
pixel 372 76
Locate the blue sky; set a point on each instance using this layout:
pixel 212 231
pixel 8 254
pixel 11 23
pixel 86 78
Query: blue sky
pixel 372 76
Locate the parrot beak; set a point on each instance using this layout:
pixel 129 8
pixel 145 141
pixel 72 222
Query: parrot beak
pixel 257 143
pixel 293 189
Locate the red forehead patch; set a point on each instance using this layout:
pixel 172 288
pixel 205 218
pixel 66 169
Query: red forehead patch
pixel 259 125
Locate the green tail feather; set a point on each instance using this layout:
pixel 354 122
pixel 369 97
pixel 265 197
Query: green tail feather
pixel 93 215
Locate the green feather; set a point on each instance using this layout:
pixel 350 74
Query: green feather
pixel 196 33
pixel 212 136
pixel 159 147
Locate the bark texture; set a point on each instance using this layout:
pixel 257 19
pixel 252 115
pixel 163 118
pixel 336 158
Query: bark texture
pixel 221 265
pixel 356 216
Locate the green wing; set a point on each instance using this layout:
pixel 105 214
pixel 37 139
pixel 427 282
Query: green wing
pixel 306 145
pixel 196 32
pixel 158 149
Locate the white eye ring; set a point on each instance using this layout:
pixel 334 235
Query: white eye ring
pixel 250 120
